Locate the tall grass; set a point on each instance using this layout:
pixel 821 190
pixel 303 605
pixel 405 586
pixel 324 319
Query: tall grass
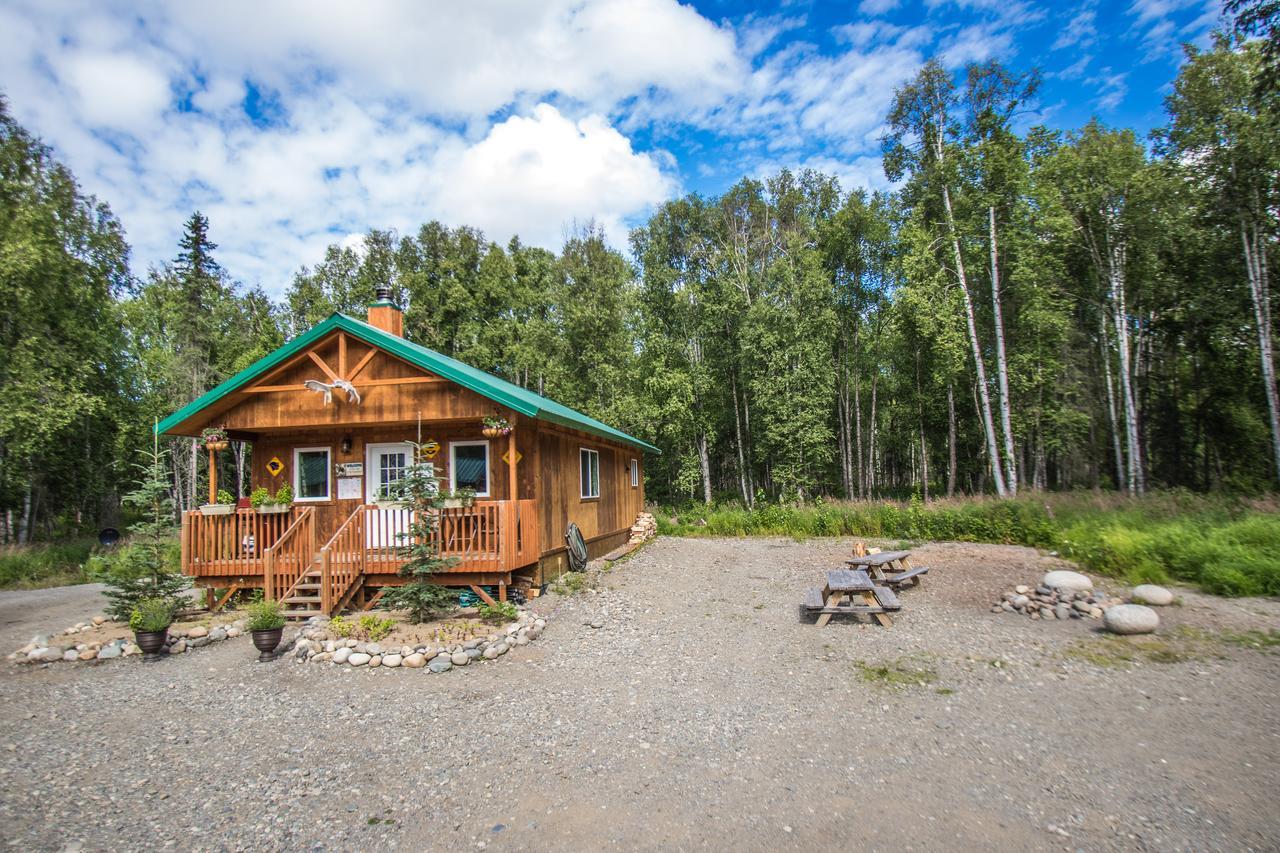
pixel 1224 545
pixel 39 566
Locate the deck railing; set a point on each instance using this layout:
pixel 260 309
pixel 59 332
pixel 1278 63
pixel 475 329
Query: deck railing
pixel 230 545
pixel 489 536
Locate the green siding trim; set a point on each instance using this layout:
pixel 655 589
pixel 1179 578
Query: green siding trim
pixel 487 385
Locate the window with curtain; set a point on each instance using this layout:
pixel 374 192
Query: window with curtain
pixel 590 472
pixel 311 474
pixel 469 466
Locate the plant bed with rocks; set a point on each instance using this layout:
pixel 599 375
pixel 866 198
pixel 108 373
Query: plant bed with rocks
pixel 435 646
pixel 100 639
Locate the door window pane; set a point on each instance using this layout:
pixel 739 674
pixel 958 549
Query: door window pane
pixel 391 467
pixel 470 467
pixel 312 474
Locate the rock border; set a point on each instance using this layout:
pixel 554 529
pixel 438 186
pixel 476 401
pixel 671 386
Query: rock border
pixel 42 649
pixel 313 646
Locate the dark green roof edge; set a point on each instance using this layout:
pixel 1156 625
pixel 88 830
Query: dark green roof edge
pixel 487 385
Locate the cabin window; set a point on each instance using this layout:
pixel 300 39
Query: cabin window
pixel 311 474
pixel 635 473
pixel 469 466
pixel 589 472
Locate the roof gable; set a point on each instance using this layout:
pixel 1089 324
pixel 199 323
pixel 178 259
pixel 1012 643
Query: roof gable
pixel 485 384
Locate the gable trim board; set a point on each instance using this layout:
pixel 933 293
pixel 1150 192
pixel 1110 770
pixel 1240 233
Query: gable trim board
pixel 487 385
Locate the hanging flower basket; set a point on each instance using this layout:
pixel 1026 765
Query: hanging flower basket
pixel 494 432
pixel 495 427
pixel 215 438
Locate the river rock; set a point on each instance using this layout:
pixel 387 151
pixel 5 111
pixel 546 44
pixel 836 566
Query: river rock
pixel 72 654
pixel 217 634
pixel 108 652
pixel 1131 619
pixel 359 658
pixel 341 655
pixel 392 661
pixel 415 660
pixel 197 632
pixel 1066 580
pixel 440 664
pixel 179 646
pixel 1152 595
pixel 490 653
pixel 132 649
pixel 460 659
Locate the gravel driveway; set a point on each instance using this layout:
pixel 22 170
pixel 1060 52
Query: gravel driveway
pixel 703 714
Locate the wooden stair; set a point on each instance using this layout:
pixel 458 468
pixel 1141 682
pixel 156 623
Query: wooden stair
pixel 303 600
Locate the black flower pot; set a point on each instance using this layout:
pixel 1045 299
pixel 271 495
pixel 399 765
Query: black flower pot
pixel 151 643
pixel 266 642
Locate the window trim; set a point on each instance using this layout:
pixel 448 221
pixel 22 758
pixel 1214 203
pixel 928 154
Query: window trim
pixel 634 469
pixel 488 465
pixel 596 455
pixel 328 474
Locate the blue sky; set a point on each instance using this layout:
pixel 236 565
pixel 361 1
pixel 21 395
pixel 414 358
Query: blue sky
pixel 297 124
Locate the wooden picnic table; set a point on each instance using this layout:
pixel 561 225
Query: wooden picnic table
pixel 891 567
pixel 844 584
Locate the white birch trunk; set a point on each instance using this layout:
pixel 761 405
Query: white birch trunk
pixel 1255 261
pixel 984 394
pixel 1002 366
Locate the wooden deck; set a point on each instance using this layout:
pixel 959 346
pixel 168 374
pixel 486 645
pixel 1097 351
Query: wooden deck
pixel 486 542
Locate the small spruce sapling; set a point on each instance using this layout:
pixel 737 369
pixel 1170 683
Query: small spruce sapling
pixel 146 568
pixel 422 597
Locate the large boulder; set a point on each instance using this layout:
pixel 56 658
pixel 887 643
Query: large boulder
pixel 1150 594
pixel 1131 619
pixel 1066 580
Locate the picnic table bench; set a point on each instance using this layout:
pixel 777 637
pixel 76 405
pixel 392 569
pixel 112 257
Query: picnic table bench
pixel 854 585
pixel 891 567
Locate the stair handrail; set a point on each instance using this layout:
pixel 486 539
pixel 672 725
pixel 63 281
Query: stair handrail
pixel 328 594
pixel 269 555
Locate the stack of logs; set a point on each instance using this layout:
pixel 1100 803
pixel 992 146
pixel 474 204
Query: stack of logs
pixel 645 528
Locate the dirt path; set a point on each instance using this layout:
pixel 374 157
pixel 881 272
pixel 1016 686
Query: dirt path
pixel 703 714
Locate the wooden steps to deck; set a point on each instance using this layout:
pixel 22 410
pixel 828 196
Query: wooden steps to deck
pixel 304 598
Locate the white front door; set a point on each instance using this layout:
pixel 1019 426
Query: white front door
pixel 384 465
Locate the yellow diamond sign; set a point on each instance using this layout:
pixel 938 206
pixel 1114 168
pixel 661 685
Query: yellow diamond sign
pixel 275 466
pixel 506 457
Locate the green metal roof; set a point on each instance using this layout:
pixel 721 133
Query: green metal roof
pixel 499 390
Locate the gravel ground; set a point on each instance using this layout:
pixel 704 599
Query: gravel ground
pixel 703 714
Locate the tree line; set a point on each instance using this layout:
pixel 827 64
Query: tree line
pixel 1028 308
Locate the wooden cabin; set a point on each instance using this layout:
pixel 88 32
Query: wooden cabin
pixel 334 547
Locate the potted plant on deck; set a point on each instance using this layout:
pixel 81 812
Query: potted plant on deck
pixel 390 497
pixel 226 503
pixel 150 623
pixel 267 504
pixel 455 499
pixel 266 626
pixel 495 427
pixel 214 438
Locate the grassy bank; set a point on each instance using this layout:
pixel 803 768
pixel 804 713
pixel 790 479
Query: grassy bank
pixel 1224 545
pixel 40 566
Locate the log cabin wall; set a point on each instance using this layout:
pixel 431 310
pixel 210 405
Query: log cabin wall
pixel 331 513
pixel 604 521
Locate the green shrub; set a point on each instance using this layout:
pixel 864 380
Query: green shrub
pixel 151 614
pixel 259 497
pixel 284 495
pixel 38 566
pixel 264 616
pixel 225 497
pixel 424 600
pixel 502 611
pixel 374 628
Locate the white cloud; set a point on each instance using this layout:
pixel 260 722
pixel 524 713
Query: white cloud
pixel 877 7
pixel 534 173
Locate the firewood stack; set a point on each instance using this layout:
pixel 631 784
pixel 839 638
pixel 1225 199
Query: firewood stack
pixel 645 528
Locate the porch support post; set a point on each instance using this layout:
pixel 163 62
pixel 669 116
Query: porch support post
pixel 213 476
pixel 511 466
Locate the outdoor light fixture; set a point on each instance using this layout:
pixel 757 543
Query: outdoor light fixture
pixel 346 444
